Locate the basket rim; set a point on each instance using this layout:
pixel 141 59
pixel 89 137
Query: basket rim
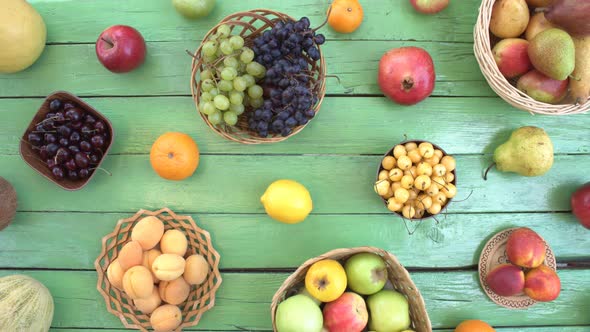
pixel 501 86
pixel 196 67
pixel 102 277
pixel 389 258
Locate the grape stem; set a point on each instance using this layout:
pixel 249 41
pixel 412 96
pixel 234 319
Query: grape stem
pixel 485 174
pixel 326 20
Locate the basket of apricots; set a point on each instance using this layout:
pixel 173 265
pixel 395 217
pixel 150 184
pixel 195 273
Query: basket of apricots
pixel 159 271
pixel 416 179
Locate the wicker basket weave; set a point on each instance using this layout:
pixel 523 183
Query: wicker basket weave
pixel 201 297
pixel 398 276
pixel 249 25
pixel 508 92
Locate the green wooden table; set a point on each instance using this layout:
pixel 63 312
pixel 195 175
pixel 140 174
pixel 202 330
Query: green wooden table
pixel 55 236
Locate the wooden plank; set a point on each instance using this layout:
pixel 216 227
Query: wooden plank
pixel 75 21
pixel 167 70
pixel 450 297
pixel 345 125
pixel 502 329
pixel 72 240
pixel 338 185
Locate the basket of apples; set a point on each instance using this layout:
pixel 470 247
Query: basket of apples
pixel 535 54
pixel 352 289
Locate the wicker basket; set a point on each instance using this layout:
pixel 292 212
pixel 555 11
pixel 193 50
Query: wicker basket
pixel 201 298
pixel 399 279
pixel 249 25
pixel 508 92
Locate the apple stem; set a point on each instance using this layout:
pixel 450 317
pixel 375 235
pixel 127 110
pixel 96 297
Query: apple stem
pixel 485 174
pixel 106 41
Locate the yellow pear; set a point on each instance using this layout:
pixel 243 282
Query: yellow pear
pixel 22 36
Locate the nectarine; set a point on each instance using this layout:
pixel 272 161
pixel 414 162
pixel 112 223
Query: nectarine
pixel 506 280
pixel 525 248
pixel 542 284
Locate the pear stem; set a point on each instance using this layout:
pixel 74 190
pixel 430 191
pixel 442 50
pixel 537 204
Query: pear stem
pixel 485 174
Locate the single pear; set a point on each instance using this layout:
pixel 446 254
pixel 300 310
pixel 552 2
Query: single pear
pixel 542 88
pixel 553 53
pixel 528 152
pixel 571 15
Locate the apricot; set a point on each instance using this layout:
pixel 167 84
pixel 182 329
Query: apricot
pixel 196 269
pixel 130 255
pixel 166 318
pixel 138 282
pixel 525 248
pixel 175 291
pixel 542 284
pixel 506 280
pixel 174 242
pixel 148 232
pixel 150 303
pixel 115 274
pixel 148 259
pixel 168 267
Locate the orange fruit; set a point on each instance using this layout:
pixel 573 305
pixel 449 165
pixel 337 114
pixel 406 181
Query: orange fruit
pixel 345 16
pixel 174 156
pixel 474 326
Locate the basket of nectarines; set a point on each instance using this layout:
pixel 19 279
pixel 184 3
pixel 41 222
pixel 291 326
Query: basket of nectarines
pixel 535 54
pixel 350 289
pixel 158 270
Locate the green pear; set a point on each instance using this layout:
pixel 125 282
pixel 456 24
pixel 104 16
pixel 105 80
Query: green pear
pixel 528 152
pixel 553 53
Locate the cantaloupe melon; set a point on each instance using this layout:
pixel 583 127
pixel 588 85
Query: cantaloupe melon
pixel 26 305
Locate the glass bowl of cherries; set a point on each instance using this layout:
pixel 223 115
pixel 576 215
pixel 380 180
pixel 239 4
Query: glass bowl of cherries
pixel 67 140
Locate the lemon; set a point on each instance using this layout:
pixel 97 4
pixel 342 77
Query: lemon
pixel 287 201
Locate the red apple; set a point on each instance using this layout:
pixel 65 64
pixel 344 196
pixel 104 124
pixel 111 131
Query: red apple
pixel 120 48
pixel 406 75
pixel 581 205
pixel 429 6
pixel 512 57
pixel 347 313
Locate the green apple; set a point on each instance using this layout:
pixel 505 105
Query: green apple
pixel 388 311
pixel 194 8
pixel 299 313
pixel 366 273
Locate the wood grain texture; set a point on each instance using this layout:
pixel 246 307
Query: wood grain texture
pixel 338 184
pixel 243 300
pixel 501 329
pixel 73 21
pixel 167 69
pixel 72 240
pixel 345 125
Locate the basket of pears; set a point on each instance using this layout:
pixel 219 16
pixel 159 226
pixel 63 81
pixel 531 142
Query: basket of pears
pixel 158 270
pixel 535 54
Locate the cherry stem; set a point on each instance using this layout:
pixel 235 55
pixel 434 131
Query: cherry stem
pixel 466 198
pixel 106 41
pixel 326 20
pixel 485 174
pixel 102 169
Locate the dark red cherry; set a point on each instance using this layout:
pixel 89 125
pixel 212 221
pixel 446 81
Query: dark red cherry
pixel 50 162
pixel 89 119
pixel 74 114
pixel 76 125
pixel 52 149
pixel 34 139
pixel 81 160
pixel 43 152
pixel 75 137
pixel 86 130
pixel 97 141
pixel 85 146
pixel 73 149
pixel 71 164
pixel 55 105
pixel 94 158
pixel 57 172
pixel 62 155
pixel 72 175
pixel 64 131
pixel 50 138
pixel 68 105
pixel 100 127
pixel 64 141
pixel 83 173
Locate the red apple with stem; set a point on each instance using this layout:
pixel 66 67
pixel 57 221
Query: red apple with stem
pixel 406 75
pixel 120 48
pixel 347 313
pixel 581 205
pixel 429 6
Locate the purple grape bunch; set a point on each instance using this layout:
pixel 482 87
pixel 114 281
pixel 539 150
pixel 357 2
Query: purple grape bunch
pixel 284 50
pixel 70 141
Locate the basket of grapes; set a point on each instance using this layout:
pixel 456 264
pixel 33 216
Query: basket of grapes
pixel 259 76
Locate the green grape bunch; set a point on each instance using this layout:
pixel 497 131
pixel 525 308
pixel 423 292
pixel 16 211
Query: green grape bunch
pixel 228 79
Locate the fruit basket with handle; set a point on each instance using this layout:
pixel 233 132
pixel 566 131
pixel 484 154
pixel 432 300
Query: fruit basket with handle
pixel 398 277
pixel 249 25
pixel 483 53
pixel 201 298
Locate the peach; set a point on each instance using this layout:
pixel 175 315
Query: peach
pixel 196 270
pixel 166 318
pixel 138 282
pixel 542 284
pixel 148 232
pixel 525 248
pixel 130 255
pixel 150 303
pixel 512 57
pixel 148 259
pixel 174 242
pixel 175 291
pixel 168 267
pixel 115 274
pixel 506 280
